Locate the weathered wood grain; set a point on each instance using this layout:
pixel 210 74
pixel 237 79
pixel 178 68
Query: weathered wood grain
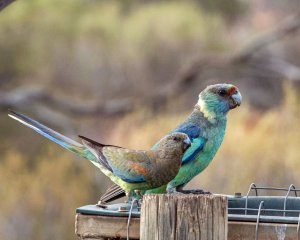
pixel 101 227
pixel 186 217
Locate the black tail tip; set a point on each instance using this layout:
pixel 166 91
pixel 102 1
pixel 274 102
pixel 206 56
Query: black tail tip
pixel 13 113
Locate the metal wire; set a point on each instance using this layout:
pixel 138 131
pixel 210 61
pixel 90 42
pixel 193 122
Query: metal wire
pixel 276 189
pixel 286 197
pixel 252 186
pixel 129 216
pixel 265 210
pixel 257 221
pixel 298 226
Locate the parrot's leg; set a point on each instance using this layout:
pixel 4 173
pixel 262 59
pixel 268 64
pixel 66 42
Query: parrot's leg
pixel 138 198
pixel 133 195
pixel 129 197
pixel 138 193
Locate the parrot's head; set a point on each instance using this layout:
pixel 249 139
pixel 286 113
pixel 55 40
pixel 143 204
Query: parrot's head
pixel 175 141
pixel 218 99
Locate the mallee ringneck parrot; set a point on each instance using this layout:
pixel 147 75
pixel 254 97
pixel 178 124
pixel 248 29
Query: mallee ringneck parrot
pixel 130 169
pixel 206 127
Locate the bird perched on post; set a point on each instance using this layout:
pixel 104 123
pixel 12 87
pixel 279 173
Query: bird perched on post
pixel 130 169
pixel 206 127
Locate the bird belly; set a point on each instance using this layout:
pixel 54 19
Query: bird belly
pixel 154 181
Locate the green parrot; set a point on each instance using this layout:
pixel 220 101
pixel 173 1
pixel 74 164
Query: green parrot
pixel 131 170
pixel 206 127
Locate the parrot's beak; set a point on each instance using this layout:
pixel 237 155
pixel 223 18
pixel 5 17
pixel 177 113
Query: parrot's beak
pixel 235 100
pixel 186 143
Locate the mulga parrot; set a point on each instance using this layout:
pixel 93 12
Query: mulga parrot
pixel 206 127
pixel 131 170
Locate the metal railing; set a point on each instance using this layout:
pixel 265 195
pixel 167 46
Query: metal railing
pixel 260 209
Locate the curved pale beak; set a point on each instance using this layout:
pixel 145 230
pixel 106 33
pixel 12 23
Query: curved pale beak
pixel 235 100
pixel 186 143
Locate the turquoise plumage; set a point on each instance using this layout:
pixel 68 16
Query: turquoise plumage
pixel 206 127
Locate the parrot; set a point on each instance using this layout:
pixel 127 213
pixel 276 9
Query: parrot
pixel 205 127
pixel 131 170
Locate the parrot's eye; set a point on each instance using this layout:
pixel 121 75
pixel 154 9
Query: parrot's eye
pixel 222 92
pixel 177 139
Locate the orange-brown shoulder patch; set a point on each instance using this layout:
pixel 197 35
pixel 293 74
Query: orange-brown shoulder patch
pixel 140 169
pixel 231 90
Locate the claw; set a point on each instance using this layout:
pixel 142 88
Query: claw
pixel 195 191
pixel 174 191
pixel 179 190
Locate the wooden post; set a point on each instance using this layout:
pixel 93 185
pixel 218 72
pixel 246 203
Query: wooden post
pixel 197 217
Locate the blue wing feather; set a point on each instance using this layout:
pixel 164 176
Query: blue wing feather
pixel 194 150
pixel 198 141
pixel 193 131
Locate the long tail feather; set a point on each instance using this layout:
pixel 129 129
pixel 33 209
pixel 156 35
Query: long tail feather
pixel 56 137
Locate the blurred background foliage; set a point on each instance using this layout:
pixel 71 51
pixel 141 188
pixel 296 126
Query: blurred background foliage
pixel 108 51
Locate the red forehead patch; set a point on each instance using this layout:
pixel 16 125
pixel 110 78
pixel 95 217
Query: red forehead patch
pixel 231 91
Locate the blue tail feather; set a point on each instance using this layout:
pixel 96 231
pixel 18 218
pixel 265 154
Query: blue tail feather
pixel 54 136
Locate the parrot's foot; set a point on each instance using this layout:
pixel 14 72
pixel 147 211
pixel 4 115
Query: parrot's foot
pixel 137 201
pixel 139 204
pixel 194 191
pixel 138 194
pixel 174 191
pixel 179 190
